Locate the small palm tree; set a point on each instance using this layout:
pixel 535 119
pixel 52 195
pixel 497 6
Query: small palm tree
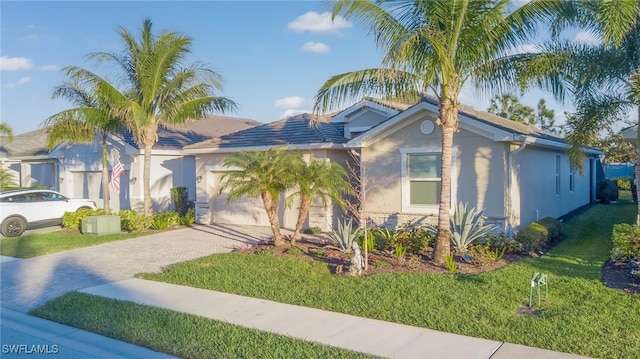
pixel 6 130
pixel 264 174
pixel 6 180
pixel 318 179
pixel 91 119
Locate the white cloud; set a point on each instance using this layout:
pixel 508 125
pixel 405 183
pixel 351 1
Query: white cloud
pixel 20 82
pixel 15 63
pixel 291 102
pixel 527 48
pixel 587 38
pixel 293 105
pixel 319 23
pixel 317 47
pixel 22 64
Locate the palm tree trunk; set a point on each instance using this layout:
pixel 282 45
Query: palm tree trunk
pixel 448 120
pixel 105 174
pixel 146 179
pixel 305 204
pixel 271 206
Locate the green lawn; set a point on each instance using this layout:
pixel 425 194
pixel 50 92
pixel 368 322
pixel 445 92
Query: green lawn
pixel 580 316
pixel 183 335
pixel 33 245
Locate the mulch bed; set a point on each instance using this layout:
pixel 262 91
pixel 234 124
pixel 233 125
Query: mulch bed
pixel 614 274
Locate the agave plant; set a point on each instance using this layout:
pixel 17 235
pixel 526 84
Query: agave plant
pixel 466 227
pixel 344 236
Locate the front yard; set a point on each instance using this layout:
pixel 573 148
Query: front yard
pixel 580 315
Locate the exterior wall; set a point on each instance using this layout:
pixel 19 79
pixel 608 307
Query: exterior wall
pixel 81 176
pixel 210 203
pixel 535 185
pixel 479 175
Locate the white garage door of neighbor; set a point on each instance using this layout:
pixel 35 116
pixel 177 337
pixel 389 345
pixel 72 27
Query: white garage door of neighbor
pixel 243 211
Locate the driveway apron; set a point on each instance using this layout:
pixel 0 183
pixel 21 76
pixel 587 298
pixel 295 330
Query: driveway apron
pixel 29 283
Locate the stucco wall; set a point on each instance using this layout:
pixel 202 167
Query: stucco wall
pixel 535 170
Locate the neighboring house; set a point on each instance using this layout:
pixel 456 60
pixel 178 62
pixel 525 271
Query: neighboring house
pixel 515 172
pixel 77 168
pixel 26 159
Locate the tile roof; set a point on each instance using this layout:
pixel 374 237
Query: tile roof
pixel 176 137
pixel 29 144
pixel 295 130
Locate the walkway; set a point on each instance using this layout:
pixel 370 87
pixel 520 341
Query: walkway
pixel 108 270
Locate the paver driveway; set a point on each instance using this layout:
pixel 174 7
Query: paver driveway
pixel 28 283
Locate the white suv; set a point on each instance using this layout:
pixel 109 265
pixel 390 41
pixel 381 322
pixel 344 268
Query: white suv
pixel 35 208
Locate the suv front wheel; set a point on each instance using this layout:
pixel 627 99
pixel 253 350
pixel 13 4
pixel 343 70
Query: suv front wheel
pixel 13 227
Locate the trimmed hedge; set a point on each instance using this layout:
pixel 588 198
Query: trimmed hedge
pixel 607 191
pixel 537 235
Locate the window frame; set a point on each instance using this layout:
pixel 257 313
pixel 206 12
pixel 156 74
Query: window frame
pixel 405 153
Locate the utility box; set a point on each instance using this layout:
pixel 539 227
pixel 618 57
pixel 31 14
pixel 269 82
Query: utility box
pixel 99 225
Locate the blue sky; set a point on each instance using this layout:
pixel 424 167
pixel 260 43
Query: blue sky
pixel 273 55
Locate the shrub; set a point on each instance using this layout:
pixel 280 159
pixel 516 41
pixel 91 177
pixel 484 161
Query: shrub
pixel 492 248
pixel 626 242
pixel 73 220
pixel 414 237
pixel 607 191
pixel 189 218
pixel 172 218
pixel 537 235
pixel 466 227
pixel 385 238
pixel 370 240
pixel 131 221
pixel 312 230
pixel 624 183
pixel 180 197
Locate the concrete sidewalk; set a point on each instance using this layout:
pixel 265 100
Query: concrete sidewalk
pixel 340 330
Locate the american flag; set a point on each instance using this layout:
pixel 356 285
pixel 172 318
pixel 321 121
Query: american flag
pixel 116 172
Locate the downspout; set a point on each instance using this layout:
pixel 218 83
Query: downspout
pixel 509 202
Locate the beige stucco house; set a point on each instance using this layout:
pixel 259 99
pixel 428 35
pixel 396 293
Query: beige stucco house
pixel 515 172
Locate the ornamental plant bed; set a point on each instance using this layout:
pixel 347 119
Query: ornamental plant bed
pixel 338 262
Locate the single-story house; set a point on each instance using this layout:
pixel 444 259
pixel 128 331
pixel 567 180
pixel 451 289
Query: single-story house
pixel 26 159
pixel 515 172
pixel 76 169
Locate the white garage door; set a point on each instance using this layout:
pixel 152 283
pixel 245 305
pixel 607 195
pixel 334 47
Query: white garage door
pixel 243 211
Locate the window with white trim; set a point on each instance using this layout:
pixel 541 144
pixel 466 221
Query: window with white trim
pixel 558 183
pixel 424 175
pixel 572 180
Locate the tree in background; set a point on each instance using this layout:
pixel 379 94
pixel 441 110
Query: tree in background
pixel 89 120
pixel 157 88
pixel 509 106
pixel 435 46
pixel 7 131
pixel 263 174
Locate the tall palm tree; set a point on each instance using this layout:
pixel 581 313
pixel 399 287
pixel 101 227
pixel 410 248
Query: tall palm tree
pixel 157 88
pixel 318 179
pixel 88 121
pixel 264 174
pixel 435 46
pixel 604 78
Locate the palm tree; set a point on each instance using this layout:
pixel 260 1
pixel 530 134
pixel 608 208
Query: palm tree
pixel 437 46
pixel 83 124
pixel 6 130
pixel 264 174
pixel 318 179
pixel 604 78
pixel 157 88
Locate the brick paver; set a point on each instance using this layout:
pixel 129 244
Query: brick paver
pixel 28 283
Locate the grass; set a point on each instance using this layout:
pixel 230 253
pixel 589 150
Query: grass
pixel 33 245
pixel 579 316
pixel 183 335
